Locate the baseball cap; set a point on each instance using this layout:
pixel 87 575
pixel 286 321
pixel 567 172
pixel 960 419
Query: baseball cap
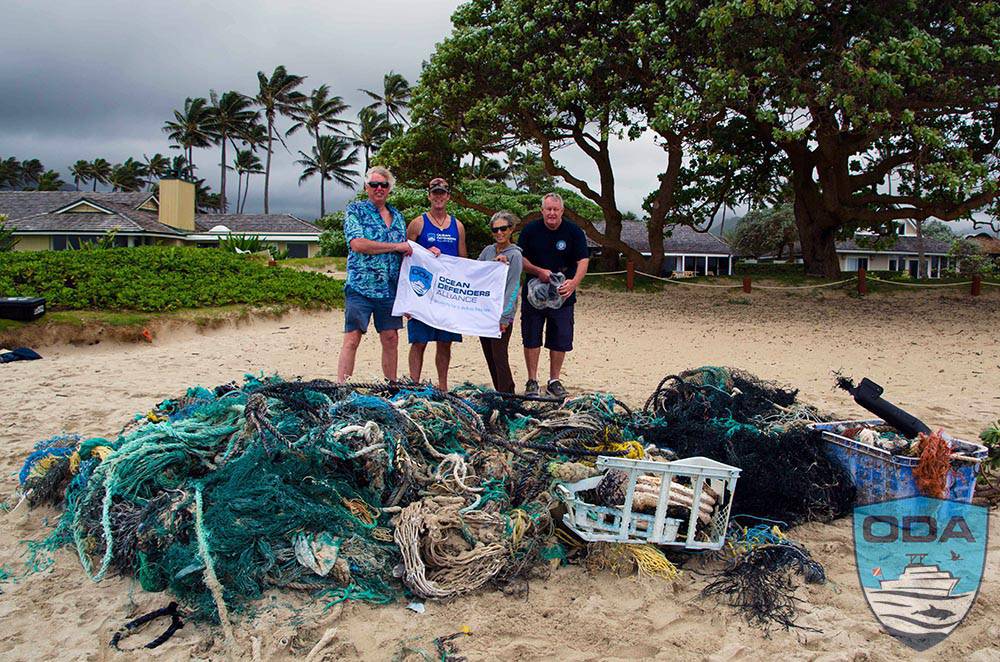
pixel 438 184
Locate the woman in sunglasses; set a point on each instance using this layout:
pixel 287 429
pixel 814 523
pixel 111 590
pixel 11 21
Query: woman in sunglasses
pixel 502 250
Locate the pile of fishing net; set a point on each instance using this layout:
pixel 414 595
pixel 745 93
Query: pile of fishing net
pixel 733 417
pixel 365 491
pixel 374 492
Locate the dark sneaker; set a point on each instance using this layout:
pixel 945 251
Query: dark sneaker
pixel 531 387
pixel 555 389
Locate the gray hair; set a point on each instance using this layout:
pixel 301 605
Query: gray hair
pixel 505 215
pixel 384 172
pixel 553 196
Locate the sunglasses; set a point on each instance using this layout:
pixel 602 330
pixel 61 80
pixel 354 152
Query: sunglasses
pixel 378 185
pixel 499 228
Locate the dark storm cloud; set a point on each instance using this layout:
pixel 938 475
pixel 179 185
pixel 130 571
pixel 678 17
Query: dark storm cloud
pixel 81 80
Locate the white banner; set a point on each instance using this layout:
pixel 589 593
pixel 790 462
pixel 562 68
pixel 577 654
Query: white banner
pixel 451 293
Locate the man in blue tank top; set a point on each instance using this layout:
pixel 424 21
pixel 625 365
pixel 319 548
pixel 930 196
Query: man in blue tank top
pixel 439 232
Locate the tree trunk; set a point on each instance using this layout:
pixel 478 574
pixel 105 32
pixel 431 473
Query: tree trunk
pixel 921 257
pixel 246 190
pixel 239 190
pixel 322 198
pixel 267 168
pixel 222 178
pixel 817 236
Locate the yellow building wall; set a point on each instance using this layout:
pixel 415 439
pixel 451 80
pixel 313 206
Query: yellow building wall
pixel 33 244
pixel 177 204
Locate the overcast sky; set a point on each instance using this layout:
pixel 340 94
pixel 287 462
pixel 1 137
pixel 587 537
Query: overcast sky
pixel 98 78
pixel 82 80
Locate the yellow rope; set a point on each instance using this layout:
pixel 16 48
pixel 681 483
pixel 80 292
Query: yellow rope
pixel 361 510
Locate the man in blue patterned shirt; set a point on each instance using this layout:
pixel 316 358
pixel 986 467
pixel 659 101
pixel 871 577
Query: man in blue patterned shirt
pixel 376 234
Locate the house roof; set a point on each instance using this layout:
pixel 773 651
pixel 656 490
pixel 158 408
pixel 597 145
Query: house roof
pixel 683 240
pixel 901 245
pixel 262 223
pixel 990 245
pixel 35 211
pixel 19 204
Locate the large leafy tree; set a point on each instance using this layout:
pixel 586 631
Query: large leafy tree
pixel 276 95
pixel 31 173
pixel 191 127
pixel 49 181
pixel 128 176
pixel 231 116
pixel 394 98
pixel 10 173
pixel 553 75
pixel 332 158
pixel 856 94
pixel 7 238
pixel 766 231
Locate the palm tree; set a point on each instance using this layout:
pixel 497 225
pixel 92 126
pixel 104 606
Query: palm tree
pixel 10 173
pixel 100 172
pixel 275 96
pixel 191 128
pixel 394 98
pixel 246 163
pixel 157 167
pixel 370 131
pixel 49 181
pixel 329 160
pixel 31 171
pixel 316 111
pixel 81 173
pixel 231 117
pixel 128 176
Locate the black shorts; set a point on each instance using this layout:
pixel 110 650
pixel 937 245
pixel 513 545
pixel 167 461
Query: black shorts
pixel 557 324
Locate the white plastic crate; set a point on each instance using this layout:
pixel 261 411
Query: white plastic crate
pixel 680 480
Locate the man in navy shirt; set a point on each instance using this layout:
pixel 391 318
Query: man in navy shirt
pixel 551 245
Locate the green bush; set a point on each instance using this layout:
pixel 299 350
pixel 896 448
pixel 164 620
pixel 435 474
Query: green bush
pixel 156 279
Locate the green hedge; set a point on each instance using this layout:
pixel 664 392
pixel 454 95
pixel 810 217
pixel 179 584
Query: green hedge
pixel 156 279
pixel 763 269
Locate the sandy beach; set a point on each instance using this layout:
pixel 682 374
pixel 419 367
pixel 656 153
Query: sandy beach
pixel 936 352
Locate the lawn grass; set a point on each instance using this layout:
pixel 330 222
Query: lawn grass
pixel 338 263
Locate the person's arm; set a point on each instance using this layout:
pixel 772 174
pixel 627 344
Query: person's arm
pixel 462 252
pixel 570 285
pixel 513 284
pixel 413 231
pixel 538 272
pixel 369 247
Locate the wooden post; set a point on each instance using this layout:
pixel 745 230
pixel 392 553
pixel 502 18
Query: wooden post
pixel 746 284
pixel 977 285
pixel 629 275
pixel 862 280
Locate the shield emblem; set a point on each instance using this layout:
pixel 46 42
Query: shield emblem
pixel 420 280
pixel 920 562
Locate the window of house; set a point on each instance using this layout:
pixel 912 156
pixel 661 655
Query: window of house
pixel 297 249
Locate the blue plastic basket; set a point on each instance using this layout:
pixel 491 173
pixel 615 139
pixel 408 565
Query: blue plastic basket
pixel 880 475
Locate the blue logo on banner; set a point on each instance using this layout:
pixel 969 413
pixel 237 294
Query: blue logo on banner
pixel 420 280
pixel 920 561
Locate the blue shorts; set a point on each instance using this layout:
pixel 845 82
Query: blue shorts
pixel 418 332
pixel 556 322
pixel 359 309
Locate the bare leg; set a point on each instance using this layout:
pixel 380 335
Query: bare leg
pixel 417 360
pixel 442 359
pixel 348 351
pixel 555 363
pixel 390 353
pixel 531 355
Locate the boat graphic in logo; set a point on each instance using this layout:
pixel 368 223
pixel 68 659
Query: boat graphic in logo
pixel 920 562
pixel 420 280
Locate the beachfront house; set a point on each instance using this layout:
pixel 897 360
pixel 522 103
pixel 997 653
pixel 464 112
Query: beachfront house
pixel 899 253
pixel 60 220
pixel 685 252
